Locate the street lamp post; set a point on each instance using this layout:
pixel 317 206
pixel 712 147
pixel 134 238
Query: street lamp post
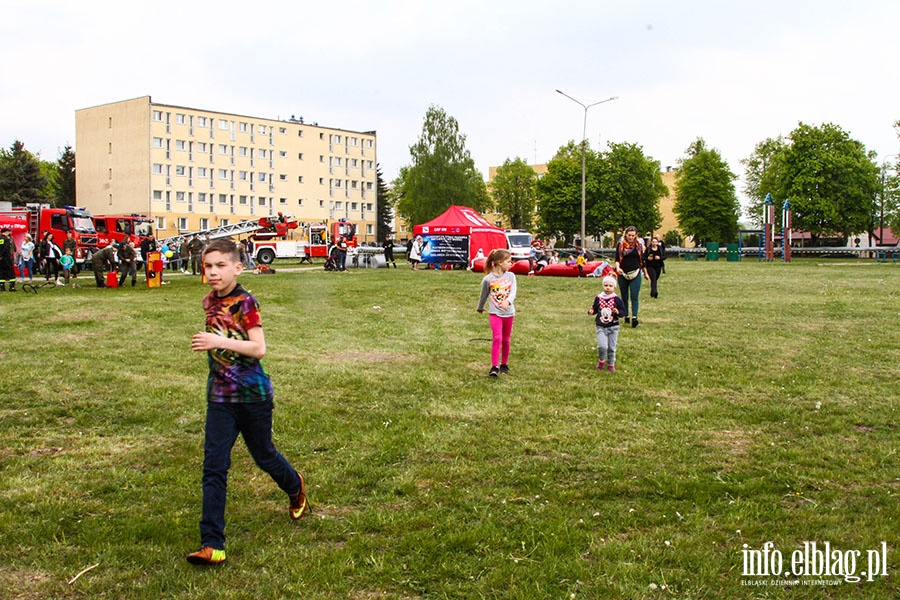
pixel 583 155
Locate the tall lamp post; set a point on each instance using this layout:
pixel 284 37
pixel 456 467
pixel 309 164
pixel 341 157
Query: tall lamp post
pixel 583 153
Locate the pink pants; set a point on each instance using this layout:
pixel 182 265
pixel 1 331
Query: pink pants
pixel 501 328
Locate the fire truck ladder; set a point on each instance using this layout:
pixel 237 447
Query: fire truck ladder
pixel 217 232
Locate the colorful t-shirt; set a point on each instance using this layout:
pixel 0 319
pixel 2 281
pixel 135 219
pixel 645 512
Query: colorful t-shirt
pixel 67 261
pixel 234 377
pixel 498 288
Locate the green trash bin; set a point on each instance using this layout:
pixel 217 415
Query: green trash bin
pixel 712 251
pixel 733 253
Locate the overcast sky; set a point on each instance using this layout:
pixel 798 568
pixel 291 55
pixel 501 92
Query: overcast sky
pixel 732 73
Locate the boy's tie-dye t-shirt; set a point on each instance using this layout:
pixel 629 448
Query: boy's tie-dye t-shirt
pixel 234 377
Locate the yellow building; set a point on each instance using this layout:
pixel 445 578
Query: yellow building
pixel 193 169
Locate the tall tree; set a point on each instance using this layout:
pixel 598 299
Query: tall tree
pixel 384 212
pixel 64 178
pixel 630 186
pixel 21 180
pixel 513 192
pixel 559 194
pixel 705 201
pixel 830 180
pixel 442 172
pixel 760 176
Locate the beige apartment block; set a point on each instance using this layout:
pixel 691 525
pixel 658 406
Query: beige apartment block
pixel 191 169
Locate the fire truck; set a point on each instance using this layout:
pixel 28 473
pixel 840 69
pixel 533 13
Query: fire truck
pixel 39 218
pixel 269 244
pixel 115 228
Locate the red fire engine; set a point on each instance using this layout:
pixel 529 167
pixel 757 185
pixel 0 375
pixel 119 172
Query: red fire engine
pixel 37 219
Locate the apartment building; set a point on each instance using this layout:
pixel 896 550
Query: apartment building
pixel 192 169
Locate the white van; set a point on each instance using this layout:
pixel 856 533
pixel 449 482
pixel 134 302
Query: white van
pixel 519 242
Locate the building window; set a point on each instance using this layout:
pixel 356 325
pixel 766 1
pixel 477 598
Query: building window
pixel 299 201
pixel 321 158
pixel 262 177
pixel 369 206
pixel 282 200
pixel 157 169
pixel 282 154
pixel 300 156
pixel 223 173
pixel 282 177
pixel 201 146
pixel 157 115
pixel 300 179
pixel 262 201
pixel 321 204
pixel 223 124
pixel 157 142
pixel 370 229
pixel 204 224
pixel 242 151
pixel 321 181
pixel 242 200
pixel 300 133
pixel 201 197
pixel 201 172
pixel 182 224
pixel 223 199
pixel 160 222
pixel 179 196
pixel 282 130
pixel 157 195
pixel 224 222
pixel 201 121
pixel 179 170
pixel 242 175
pixel 339 205
pixel 243 127
pixel 354 206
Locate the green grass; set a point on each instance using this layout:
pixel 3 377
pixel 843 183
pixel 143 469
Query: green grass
pixel 755 402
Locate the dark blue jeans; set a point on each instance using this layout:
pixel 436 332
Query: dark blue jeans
pixel 224 421
pixel 630 290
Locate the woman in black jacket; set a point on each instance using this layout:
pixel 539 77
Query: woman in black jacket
pixel 654 261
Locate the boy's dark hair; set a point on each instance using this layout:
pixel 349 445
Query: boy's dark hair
pixel 225 246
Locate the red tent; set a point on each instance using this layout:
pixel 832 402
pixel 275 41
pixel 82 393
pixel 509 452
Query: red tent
pixel 457 235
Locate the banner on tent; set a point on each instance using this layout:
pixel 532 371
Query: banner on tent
pixel 446 249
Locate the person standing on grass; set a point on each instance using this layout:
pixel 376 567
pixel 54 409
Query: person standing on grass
pixel 388 246
pixel 630 268
pixel 239 397
pixel 67 263
pixel 499 285
pixel 27 252
pixel 606 310
pixel 654 261
pixel 127 259
pixel 7 260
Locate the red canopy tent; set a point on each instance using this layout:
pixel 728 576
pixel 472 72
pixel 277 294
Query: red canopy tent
pixel 456 236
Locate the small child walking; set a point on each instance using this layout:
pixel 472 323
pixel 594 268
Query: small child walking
pixel 499 285
pixel 67 262
pixel 606 310
pixel 239 397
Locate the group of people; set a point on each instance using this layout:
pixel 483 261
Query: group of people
pixel 57 264
pixel 634 260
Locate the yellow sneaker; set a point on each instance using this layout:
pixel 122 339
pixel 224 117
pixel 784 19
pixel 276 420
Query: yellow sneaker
pixel 298 501
pixel 206 556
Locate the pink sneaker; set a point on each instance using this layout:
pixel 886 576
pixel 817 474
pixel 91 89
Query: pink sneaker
pixel 601 364
pixel 611 368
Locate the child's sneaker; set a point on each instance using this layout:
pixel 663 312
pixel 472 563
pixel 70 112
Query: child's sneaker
pixel 504 369
pixel 601 364
pixel 494 372
pixel 298 501
pixel 206 556
pixel 611 368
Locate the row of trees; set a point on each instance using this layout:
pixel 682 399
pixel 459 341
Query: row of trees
pixel 25 178
pixel 834 187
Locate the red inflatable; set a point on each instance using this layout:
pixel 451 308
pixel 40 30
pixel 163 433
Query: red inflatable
pixel 558 270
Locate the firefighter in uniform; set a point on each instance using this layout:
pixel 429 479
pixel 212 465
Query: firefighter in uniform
pixel 103 260
pixel 127 257
pixel 195 248
pixel 7 260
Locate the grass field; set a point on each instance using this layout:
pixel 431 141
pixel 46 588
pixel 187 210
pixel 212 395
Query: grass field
pixel 755 403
